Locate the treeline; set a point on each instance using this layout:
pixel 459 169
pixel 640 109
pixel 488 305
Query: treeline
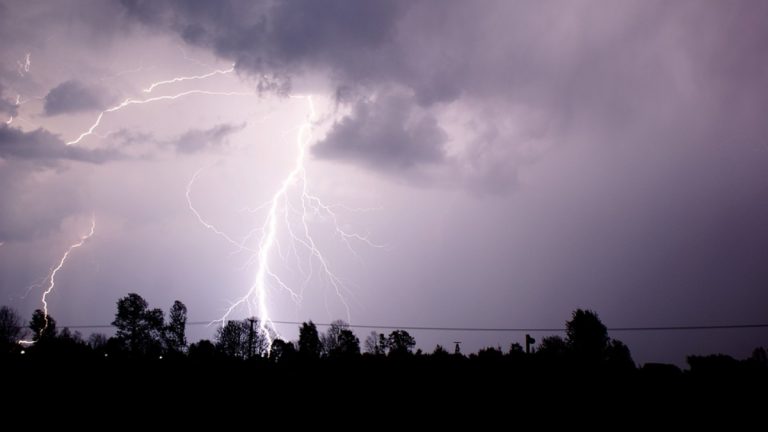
pixel 145 335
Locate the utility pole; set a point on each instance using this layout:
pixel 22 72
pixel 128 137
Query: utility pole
pixel 250 338
pixel 457 350
pixel 528 342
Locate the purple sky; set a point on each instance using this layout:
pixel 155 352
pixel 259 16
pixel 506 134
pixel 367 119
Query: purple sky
pixel 515 159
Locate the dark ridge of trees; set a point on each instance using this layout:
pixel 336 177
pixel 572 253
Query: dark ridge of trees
pixel 144 337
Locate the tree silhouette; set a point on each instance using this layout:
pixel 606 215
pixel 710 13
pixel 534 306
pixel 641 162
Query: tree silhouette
pixel 139 328
pixel 309 341
pixel 241 339
pixel 175 337
pixel 42 329
pixel 552 346
pixel 400 343
pixel 340 341
pixel 375 344
pixel 617 355
pixel 256 341
pixel 282 351
pixel 231 339
pixel 586 335
pixel 440 351
pixel 203 350
pixel 10 329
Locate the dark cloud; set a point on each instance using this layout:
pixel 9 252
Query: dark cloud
pixel 585 67
pixel 74 96
pixel 282 35
pixel 200 139
pixel 44 147
pixel 385 133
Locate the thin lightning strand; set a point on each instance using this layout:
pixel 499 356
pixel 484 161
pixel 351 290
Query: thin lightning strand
pixel 187 78
pixel 131 101
pixel 52 277
pixel 239 245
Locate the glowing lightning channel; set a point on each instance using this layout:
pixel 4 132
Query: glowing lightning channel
pixel 256 296
pixel 52 276
pixel 187 78
pixel 131 101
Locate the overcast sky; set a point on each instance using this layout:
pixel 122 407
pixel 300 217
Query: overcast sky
pixel 507 161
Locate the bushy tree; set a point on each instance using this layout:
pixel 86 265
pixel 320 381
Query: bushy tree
pixel 309 341
pixel 400 343
pixel 10 329
pixel 340 341
pixel 139 328
pixel 241 339
pixel 586 335
pixel 375 344
pixel 43 326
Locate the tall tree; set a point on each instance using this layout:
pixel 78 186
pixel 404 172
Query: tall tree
pixel 241 339
pixel 349 344
pixel 400 342
pixel 175 331
pixel 309 341
pixel 372 345
pixel 282 351
pixel 10 328
pixel 340 341
pixel 138 327
pixel 231 339
pixel 43 327
pixel 586 335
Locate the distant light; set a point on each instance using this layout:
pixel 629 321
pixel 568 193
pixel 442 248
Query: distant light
pixel 22 351
pixel 106 355
pixel 161 357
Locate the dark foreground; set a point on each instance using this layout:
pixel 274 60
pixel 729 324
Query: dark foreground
pixel 384 390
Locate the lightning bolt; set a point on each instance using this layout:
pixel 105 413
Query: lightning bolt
pixel 131 101
pixel 239 245
pixel 187 78
pixel 59 266
pixel 279 210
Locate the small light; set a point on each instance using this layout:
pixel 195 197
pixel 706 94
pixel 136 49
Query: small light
pixel 161 357
pixel 106 355
pixel 22 351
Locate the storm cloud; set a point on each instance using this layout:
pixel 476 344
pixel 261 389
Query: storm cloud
pixel 577 68
pixel 46 148
pixel 385 133
pixel 73 96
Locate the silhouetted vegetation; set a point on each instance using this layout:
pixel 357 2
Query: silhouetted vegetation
pixel 143 337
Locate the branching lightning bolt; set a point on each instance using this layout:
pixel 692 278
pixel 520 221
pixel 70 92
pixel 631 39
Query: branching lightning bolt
pixel 279 209
pixel 131 101
pixel 59 266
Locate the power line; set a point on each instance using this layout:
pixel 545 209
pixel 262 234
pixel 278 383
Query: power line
pixel 480 329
